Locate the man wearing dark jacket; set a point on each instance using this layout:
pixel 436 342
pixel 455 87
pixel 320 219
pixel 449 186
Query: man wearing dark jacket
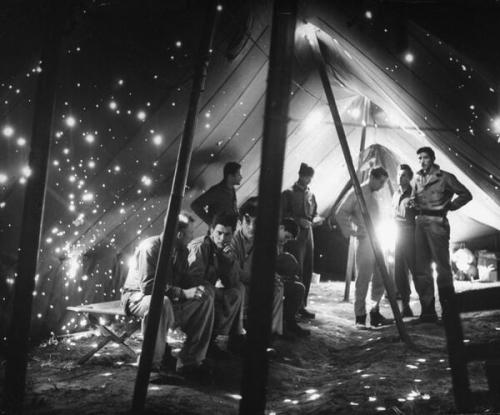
pixel 190 309
pixel 299 203
pixel 435 193
pixel 220 198
pixel 211 265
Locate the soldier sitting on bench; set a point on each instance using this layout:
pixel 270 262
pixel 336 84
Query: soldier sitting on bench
pixel 190 309
pixel 211 265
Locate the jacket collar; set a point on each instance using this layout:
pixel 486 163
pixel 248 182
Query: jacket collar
pixel 435 170
pixel 298 186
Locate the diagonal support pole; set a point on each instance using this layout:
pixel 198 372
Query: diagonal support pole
pixel 256 365
pixel 319 54
pixel 163 270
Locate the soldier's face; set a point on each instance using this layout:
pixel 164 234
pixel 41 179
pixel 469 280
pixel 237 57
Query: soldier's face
pixel 377 183
pixel 403 178
pixel 425 160
pixel 248 226
pixel 221 235
pixel 283 235
pixel 236 178
pixel 305 180
pixel 186 234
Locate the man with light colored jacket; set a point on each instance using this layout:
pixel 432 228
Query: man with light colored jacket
pixel 435 193
pixel 351 223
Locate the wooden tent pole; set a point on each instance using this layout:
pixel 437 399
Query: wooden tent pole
pixel 351 269
pixel 379 257
pixel 18 338
pixel 163 269
pixel 255 366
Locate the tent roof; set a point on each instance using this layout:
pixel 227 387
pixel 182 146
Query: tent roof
pixel 113 190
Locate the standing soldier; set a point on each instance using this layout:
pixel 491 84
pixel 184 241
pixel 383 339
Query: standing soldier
pixel 404 254
pixel 351 223
pixel 435 192
pixel 220 198
pixel 299 203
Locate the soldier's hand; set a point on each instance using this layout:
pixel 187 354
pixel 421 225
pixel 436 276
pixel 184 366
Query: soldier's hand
pixel 194 292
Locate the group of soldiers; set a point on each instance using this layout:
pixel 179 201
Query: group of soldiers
pixel 420 211
pixel 207 294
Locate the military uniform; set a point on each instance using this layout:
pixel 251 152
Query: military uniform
pixel 242 251
pixel 208 265
pixel 195 317
pixel 433 193
pixel 300 204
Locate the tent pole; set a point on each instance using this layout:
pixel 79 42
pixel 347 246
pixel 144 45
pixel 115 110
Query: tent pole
pixel 350 269
pixel 163 269
pixel 255 365
pixel 34 200
pixel 379 257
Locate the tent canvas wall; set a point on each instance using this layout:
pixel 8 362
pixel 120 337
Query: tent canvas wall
pixel 121 108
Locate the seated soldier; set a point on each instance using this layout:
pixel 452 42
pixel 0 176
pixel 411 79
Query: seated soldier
pixel 210 264
pixel 190 309
pixel 242 251
pixel 287 268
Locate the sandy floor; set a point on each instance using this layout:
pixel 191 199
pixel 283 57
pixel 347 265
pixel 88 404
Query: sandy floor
pixel 338 370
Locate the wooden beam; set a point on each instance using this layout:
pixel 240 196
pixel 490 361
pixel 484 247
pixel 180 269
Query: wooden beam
pixel 18 337
pixel 163 268
pixel 255 369
pixel 318 54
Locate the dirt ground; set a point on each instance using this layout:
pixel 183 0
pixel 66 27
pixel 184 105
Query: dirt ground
pixel 338 370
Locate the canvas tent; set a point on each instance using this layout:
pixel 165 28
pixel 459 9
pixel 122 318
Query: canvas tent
pixel 110 173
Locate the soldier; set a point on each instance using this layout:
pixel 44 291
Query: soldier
pixel 299 203
pixel 192 309
pixel 220 198
pixel 436 192
pixel 404 254
pixel 351 223
pixel 211 264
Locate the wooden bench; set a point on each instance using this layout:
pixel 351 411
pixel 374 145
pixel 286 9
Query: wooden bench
pixel 461 353
pixel 110 308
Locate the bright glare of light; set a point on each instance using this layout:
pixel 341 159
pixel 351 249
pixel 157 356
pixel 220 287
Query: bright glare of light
pixel 8 131
pixel 219 7
pixel 157 139
pixel 3 178
pixel 113 105
pixel 26 171
pixel 91 164
pixel 387 234
pixel 73 266
pixel 141 115
pixel 89 138
pixel 88 197
pixel 146 180
pixel 307 31
pixel 354 112
pixel 409 58
pixel 368 14
pixel 496 125
pixel 178 44
pixel 313 119
pixel 21 141
pixel 70 121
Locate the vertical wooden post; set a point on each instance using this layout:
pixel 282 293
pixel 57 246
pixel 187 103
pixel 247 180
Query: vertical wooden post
pixel 18 339
pixel 163 270
pixel 255 369
pixel 379 257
